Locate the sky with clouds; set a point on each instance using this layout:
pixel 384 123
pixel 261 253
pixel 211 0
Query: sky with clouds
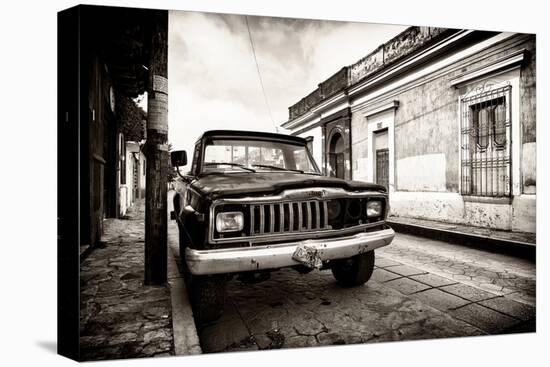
pixel 213 80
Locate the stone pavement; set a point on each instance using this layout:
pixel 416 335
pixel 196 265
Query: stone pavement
pixel 419 290
pixel 119 316
pixel 499 274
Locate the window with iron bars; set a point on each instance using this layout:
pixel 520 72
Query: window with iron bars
pixel 486 143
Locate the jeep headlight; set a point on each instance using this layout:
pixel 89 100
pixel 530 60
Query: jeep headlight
pixel 374 208
pixel 229 222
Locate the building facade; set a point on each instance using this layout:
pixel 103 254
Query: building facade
pixel 132 175
pixel 445 118
pixel 111 59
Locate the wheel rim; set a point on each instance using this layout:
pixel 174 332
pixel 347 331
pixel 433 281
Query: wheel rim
pixel 347 265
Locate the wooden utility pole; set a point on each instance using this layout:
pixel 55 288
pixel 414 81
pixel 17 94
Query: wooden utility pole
pixel 156 150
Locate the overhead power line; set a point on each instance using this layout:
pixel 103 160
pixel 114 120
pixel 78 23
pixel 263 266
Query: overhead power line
pixel 260 74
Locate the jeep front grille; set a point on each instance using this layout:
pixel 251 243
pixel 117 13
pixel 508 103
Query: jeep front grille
pixel 285 219
pixel 288 217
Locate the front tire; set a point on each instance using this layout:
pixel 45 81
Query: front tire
pixel 353 271
pixel 207 296
pixel 182 242
pixel 207 293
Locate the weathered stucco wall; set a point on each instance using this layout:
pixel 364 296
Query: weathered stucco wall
pixel 519 215
pixel 426 128
pixel 359 147
pixel 425 172
pixel 528 112
pixel 123 199
pixel 529 168
pixel 524 214
pixel 426 121
pixel 528 82
pixel 364 144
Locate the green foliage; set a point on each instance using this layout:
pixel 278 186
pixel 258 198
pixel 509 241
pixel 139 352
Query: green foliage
pixel 131 118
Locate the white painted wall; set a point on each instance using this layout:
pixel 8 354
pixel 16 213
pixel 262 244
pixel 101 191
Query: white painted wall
pixel 130 177
pixel 123 199
pixel 359 147
pixel 442 206
pixel 142 163
pixel 529 167
pixel 317 134
pixel 524 214
pixel 449 207
pixel 363 127
pixel 422 173
pixel 127 192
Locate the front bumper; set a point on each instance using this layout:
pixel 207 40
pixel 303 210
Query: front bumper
pixel 234 260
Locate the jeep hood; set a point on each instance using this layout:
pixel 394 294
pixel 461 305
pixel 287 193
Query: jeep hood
pixel 267 183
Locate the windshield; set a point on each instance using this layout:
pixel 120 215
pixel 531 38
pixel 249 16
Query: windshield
pixel 257 155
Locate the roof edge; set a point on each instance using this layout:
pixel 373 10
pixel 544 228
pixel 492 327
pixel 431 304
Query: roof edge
pixel 403 45
pixel 248 133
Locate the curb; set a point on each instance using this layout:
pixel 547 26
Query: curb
pixel 186 339
pixel 516 248
pixel 85 251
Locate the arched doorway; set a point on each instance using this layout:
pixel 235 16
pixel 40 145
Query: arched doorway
pixel 336 156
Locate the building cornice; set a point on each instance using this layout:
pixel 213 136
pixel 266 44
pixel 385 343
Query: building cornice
pixel 459 63
pixel 373 88
pixel 430 52
pixel 498 66
pixel 316 111
pixel 388 106
pixel 404 45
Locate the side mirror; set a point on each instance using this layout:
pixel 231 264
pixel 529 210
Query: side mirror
pixel 178 158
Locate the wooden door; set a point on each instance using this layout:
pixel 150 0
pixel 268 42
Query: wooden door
pixel 382 167
pixel 340 168
pixel 336 165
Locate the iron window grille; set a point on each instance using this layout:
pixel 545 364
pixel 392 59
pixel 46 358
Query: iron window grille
pixel 486 143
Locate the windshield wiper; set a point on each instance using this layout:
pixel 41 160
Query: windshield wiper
pixel 230 164
pixel 277 168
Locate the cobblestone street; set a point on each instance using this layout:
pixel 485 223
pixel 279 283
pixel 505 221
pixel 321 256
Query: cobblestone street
pixel 119 316
pixel 494 273
pixel 420 289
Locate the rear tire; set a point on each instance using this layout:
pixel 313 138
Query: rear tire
pixel 208 297
pixel 353 271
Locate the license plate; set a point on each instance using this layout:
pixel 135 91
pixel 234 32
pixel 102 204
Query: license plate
pixel 308 256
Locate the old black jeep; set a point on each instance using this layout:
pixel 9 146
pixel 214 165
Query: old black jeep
pixel 255 202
